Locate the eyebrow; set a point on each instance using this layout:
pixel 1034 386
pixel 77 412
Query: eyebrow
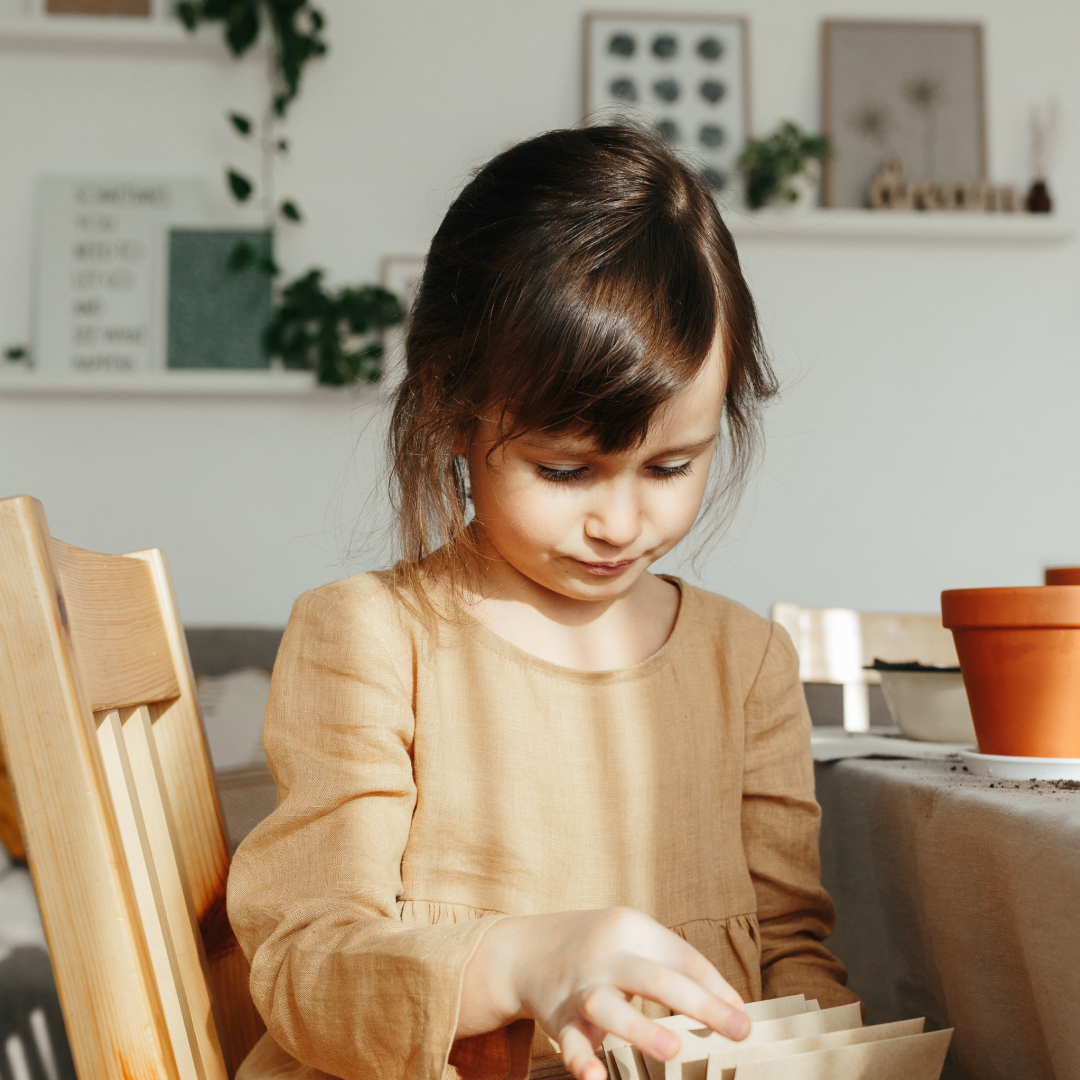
pixel 581 448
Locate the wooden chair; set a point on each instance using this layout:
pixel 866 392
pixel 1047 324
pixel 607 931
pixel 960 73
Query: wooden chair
pixel 835 644
pixel 104 747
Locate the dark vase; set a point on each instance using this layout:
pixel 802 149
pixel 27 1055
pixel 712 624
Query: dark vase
pixel 1038 198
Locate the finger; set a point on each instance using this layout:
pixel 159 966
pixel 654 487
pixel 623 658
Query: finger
pixel 606 1010
pixel 578 1056
pixel 681 994
pixel 664 946
pixel 690 962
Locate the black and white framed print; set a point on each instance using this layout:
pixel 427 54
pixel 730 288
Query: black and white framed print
pixel 687 76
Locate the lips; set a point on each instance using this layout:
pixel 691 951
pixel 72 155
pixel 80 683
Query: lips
pixel 607 569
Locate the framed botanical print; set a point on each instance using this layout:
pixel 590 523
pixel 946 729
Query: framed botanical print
pixel 903 92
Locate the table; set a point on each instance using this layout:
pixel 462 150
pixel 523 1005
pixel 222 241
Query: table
pixel 958 899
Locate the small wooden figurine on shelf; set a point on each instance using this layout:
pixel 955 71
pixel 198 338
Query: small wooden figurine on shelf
pixel 1044 129
pixel 890 191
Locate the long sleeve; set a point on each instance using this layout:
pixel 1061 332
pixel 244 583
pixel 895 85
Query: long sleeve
pixel 314 891
pixel 780 829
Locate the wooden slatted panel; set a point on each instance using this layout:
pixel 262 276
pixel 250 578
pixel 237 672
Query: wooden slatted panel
pixel 188 779
pixel 142 865
pixel 116 628
pixel 179 909
pixel 113 1014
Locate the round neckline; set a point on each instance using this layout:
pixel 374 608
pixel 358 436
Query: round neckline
pixel 516 654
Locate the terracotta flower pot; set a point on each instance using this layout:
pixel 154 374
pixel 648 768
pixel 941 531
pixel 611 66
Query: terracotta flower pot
pixel 1019 652
pixel 1062 575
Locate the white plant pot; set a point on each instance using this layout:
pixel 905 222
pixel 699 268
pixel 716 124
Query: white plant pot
pixel 805 187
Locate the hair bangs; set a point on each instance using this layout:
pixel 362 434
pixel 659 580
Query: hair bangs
pixel 598 351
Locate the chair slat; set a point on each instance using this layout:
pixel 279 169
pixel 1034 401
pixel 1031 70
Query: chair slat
pixel 161 833
pixel 116 1026
pixel 189 782
pixel 116 627
pixel 153 916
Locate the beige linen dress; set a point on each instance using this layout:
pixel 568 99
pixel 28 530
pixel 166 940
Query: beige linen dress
pixel 432 778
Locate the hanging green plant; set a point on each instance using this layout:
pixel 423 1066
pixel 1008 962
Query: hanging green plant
pixel 768 165
pixel 296 25
pixel 337 333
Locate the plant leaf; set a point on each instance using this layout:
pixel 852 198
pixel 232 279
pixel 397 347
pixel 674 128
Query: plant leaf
pixel 188 14
pixel 15 352
pixel 242 123
pixel 242 25
pixel 283 146
pixel 241 256
pixel 240 186
pixel 290 210
pixel 268 266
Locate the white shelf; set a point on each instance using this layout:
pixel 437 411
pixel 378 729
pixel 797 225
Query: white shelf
pixel 18 381
pixel 109 33
pixel 854 224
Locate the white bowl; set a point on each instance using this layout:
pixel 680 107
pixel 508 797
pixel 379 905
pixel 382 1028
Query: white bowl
pixel 928 705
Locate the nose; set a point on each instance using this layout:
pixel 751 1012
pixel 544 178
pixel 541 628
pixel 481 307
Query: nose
pixel 615 516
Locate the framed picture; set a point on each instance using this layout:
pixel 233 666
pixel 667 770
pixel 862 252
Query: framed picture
pixel 401 275
pixel 99 7
pixel 687 76
pixel 100 285
pixel 146 10
pixel 217 315
pixel 907 92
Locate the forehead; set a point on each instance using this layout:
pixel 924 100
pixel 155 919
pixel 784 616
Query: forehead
pixel 689 418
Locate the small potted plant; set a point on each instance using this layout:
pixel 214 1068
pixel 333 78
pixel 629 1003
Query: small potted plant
pixel 784 168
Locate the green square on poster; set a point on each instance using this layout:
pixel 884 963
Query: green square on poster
pixel 216 315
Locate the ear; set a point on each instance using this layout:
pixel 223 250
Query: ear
pixel 460 445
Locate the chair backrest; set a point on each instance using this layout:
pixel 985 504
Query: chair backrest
pixel 105 751
pixel 835 644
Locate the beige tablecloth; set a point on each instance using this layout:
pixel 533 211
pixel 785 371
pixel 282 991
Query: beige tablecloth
pixel 958 899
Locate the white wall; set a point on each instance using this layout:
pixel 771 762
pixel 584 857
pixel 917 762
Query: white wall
pixel 927 437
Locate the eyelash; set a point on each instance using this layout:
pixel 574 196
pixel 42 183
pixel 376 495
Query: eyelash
pixel 566 476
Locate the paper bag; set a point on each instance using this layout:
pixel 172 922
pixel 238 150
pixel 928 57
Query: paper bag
pixel 914 1057
pixel 722 1065
pixel 691 1062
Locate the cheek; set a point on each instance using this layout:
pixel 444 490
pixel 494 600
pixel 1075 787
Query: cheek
pixel 517 509
pixel 676 508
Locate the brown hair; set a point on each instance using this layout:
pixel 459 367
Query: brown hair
pixel 576 284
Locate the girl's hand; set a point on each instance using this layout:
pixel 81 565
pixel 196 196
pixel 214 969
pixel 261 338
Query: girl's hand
pixel 574 973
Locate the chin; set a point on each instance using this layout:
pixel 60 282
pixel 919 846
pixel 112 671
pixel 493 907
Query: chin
pixel 590 586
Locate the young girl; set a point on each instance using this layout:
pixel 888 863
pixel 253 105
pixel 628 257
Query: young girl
pixel 528 792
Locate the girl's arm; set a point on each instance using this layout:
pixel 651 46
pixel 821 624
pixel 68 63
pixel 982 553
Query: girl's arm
pixel 313 892
pixel 780 826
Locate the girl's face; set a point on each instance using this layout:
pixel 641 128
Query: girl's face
pixel 586 525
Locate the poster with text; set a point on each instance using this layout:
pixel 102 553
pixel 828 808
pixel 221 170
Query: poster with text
pixel 101 276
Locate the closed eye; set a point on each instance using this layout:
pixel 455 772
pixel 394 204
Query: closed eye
pixel 668 472
pixel 561 476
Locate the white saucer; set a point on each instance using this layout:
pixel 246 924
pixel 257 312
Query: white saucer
pixel 1021 768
